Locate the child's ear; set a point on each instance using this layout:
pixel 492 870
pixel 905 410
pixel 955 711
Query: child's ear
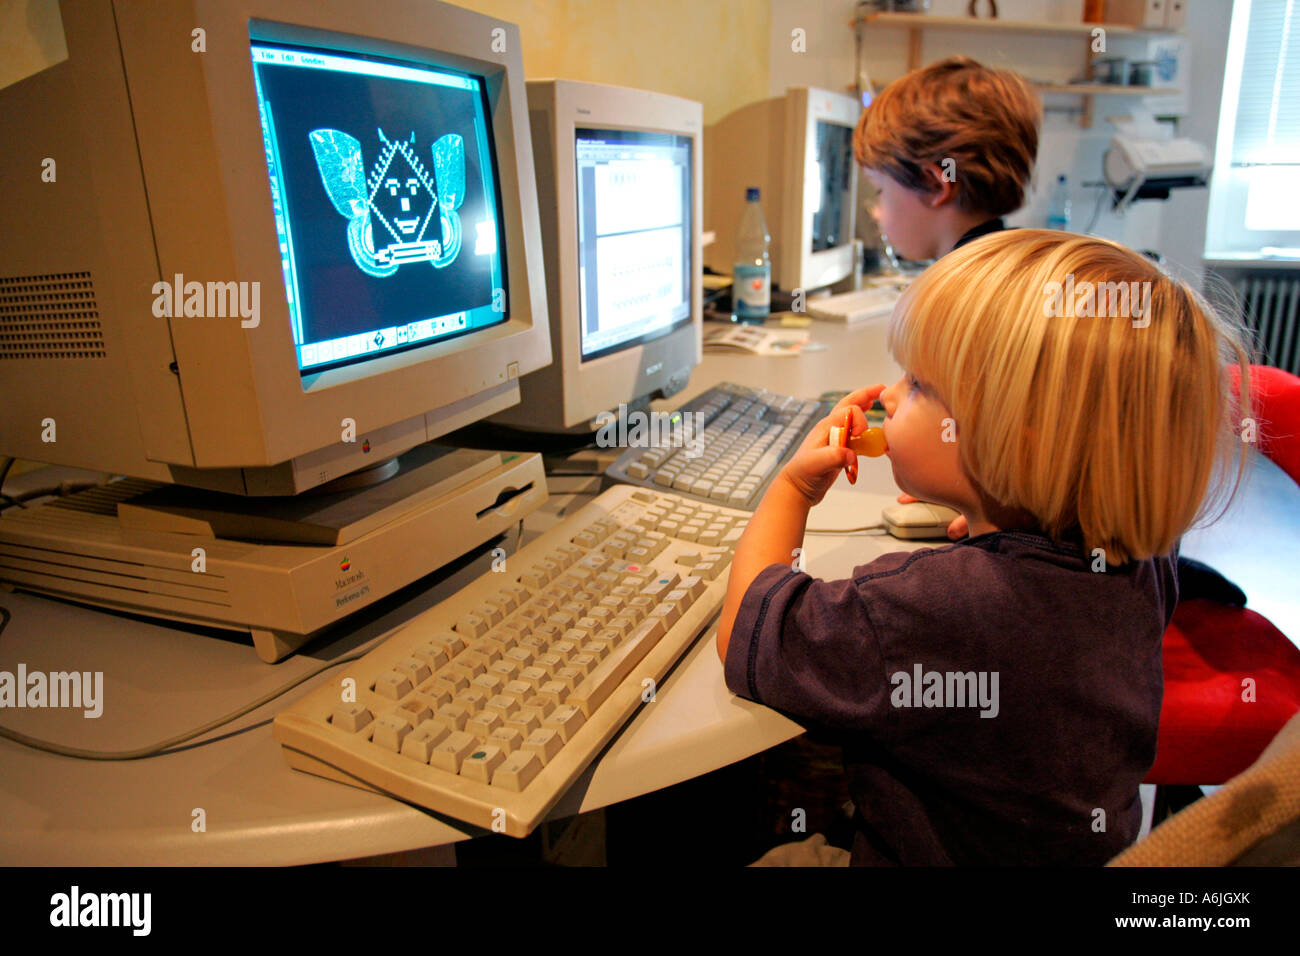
pixel 942 185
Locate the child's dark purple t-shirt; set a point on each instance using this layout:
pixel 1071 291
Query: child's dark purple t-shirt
pixel 1050 775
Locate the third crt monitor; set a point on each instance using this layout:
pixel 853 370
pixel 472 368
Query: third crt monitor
pixel 619 194
pixel 798 149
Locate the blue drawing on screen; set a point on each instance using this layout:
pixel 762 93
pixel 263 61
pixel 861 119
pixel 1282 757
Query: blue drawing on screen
pixel 391 210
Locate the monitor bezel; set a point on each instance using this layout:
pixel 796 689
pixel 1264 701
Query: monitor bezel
pixel 601 383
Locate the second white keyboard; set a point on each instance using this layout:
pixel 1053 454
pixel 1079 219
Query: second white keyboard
pixel 854 307
pixel 489 705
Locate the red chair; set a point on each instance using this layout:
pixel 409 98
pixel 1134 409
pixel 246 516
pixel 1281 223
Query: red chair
pixel 1232 680
pixel 1275 400
pixel 1213 724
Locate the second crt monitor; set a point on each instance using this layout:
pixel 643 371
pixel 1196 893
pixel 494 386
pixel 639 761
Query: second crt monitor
pixel 618 186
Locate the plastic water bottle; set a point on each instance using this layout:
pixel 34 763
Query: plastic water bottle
pixel 1058 211
pixel 751 283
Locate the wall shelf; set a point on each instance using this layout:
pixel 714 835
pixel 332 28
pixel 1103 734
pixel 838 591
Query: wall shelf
pixel 915 23
pixel 924 21
pixel 1105 89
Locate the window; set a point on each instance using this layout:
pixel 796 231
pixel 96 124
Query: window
pixel 1254 202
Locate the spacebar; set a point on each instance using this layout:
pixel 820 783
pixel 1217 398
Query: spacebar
pixel 609 673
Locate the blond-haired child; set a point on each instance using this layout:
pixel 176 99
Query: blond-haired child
pixel 999 697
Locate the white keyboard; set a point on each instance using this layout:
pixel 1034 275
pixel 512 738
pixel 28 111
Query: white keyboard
pixel 853 307
pixel 489 705
pixel 749 434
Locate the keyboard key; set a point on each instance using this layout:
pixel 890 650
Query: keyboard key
pixel 503 704
pixel 435 655
pixel 471 625
pixel 415 710
pixel 389 732
pixel 351 717
pixel 566 721
pixel 507 738
pixel 596 687
pixel 491 682
pixel 518 691
pixel 472 697
pixel 452 716
pixel 449 754
pixel 483 723
pixel 472 662
pixel 710 569
pixel 554 691
pixel 545 742
pixel 480 764
pixel 525 720
pixel 392 685
pixel 517 771
pixel 505 669
pixel 419 743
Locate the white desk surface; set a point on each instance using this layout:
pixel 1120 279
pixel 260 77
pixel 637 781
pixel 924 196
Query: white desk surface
pixel 161 680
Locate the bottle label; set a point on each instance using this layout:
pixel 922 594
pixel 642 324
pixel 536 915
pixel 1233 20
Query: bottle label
pixel 751 290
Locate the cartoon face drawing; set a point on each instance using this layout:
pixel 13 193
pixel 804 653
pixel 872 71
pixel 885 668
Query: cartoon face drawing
pixel 398 213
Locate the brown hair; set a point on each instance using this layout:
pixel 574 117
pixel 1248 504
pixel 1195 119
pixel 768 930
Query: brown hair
pixel 985 120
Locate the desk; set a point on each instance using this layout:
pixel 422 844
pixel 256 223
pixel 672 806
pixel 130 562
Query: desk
pixel 160 680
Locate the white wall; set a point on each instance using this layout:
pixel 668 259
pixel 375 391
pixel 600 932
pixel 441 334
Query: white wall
pixel 1175 227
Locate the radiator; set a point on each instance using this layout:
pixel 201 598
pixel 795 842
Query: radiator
pixel 1270 304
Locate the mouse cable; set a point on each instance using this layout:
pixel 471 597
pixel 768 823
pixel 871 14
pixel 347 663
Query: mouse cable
pixel 865 527
pixel 158 748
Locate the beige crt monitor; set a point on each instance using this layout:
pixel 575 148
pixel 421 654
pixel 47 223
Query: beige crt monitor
pixel 253 246
pixel 798 150
pixel 619 176
pixel 157 169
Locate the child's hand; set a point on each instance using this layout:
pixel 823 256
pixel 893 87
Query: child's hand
pixel 814 466
pixel 957 528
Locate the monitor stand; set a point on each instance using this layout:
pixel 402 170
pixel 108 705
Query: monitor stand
pixel 279 569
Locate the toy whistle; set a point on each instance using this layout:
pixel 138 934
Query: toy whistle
pixel 870 443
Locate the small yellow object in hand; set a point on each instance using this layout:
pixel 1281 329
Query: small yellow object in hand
pixel 870 443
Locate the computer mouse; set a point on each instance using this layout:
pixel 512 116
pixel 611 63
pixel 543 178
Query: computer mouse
pixel 918 519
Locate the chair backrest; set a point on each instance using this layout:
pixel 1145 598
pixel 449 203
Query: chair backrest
pixel 1250 819
pixel 1275 397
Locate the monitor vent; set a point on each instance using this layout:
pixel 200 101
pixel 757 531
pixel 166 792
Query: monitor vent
pixel 52 316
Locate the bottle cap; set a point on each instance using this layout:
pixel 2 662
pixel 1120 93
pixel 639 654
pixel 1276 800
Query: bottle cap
pixel 751 194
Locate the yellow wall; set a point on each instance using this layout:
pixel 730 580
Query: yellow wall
pixel 31 38
pixel 714 51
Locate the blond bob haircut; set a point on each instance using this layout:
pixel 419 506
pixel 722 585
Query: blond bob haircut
pixel 1099 408
pixel 986 121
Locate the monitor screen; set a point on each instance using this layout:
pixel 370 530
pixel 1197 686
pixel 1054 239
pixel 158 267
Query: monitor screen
pixel 830 187
pixel 634 236
pixel 386 197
